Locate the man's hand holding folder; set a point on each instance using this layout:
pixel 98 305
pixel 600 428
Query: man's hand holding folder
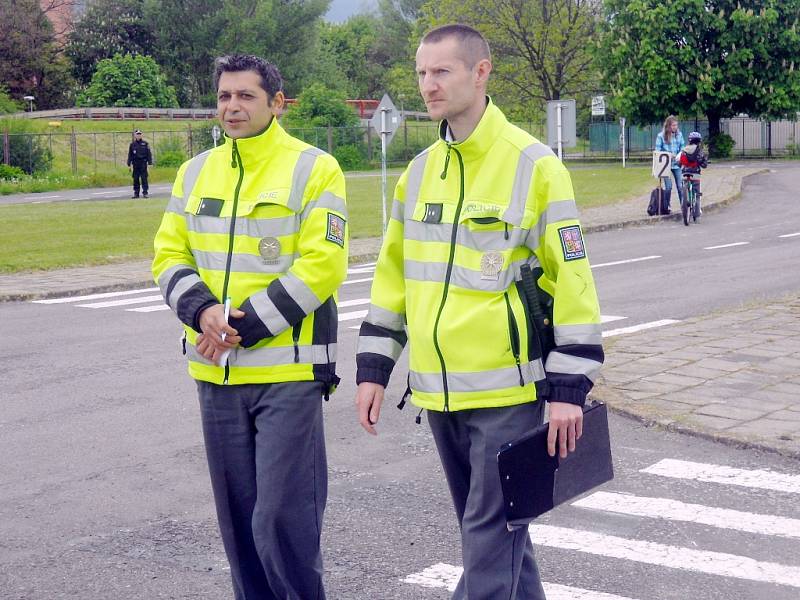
pixel 566 428
pixel 534 479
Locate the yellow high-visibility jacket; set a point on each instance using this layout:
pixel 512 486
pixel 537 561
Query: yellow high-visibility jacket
pixel 465 217
pixel 262 221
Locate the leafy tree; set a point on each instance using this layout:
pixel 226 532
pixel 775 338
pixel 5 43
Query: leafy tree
pixel 355 50
pixel 108 27
pixel 318 106
pixel 715 58
pixel 540 49
pixel 282 31
pixel 30 63
pixel 128 80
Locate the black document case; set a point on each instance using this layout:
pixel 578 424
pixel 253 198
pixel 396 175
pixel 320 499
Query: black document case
pixel 534 482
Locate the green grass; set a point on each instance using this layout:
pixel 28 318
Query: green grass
pixel 67 234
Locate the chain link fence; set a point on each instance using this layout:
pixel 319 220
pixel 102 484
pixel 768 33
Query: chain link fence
pixel 81 153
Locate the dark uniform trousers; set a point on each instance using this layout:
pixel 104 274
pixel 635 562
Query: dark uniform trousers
pixel 266 455
pixel 139 177
pixel 498 564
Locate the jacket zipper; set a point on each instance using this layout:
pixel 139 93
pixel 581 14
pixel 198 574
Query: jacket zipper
pixel 514 330
pixel 236 160
pixel 449 271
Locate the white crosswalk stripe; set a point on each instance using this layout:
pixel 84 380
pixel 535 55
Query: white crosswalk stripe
pixel 674 510
pixel 706 562
pixel 763 479
pixel 446 576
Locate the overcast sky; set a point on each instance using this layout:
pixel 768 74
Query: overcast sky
pixel 340 10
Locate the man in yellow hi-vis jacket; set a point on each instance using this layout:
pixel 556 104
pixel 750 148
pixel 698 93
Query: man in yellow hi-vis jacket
pixel 473 214
pixel 249 254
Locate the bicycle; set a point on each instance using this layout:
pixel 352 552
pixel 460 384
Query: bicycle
pixel 690 198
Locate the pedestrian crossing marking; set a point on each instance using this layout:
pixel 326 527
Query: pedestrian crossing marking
pixel 67 299
pixel 124 302
pixel 751 478
pixel 349 316
pixel 147 309
pixel 673 557
pixel 131 297
pixel 674 510
pixel 442 575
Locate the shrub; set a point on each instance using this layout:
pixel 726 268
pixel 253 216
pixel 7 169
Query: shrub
pixel 170 152
pixel 350 157
pixel 171 158
pixel 7 172
pixel 28 150
pixel 721 146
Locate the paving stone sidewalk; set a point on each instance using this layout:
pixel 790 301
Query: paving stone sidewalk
pixel 733 376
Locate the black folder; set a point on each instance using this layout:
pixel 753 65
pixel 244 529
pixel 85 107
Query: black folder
pixel 534 482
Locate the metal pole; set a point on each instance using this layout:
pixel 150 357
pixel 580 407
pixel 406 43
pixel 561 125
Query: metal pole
pixel 622 136
pixel 558 129
pixel 383 169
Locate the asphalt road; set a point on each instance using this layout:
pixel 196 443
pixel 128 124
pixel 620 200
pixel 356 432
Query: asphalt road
pixel 104 491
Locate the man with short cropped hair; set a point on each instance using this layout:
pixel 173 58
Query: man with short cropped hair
pixel 475 214
pixel 250 251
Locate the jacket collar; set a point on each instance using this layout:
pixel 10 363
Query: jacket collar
pixel 482 137
pixel 252 149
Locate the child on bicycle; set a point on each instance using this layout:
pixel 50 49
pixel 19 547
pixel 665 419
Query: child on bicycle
pixel 692 159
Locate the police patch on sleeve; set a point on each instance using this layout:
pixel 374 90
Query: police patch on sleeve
pixel 336 225
pixel 572 242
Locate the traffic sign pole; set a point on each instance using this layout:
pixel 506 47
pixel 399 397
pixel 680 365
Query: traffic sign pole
pixel 558 129
pixel 384 179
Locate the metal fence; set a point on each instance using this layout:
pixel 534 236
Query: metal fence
pixel 82 153
pixel 752 137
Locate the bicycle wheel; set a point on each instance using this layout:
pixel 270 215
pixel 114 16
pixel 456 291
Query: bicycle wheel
pixel 685 203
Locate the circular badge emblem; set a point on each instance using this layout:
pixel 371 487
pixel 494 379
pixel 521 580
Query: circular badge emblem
pixel 491 264
pixel 270 249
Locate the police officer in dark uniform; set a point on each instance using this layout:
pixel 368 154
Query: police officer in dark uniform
pixel 139 157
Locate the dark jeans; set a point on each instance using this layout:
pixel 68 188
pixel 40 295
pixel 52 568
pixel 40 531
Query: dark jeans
pixel 266 455
pixel 139 174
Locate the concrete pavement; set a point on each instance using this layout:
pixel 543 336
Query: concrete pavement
pixel 717 376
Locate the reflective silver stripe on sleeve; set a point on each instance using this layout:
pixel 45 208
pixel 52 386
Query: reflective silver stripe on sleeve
pixel 300 293
pixel 241 263
pixel 560 210
pixel 302 172
pixel 175 205
pixel 180 288
pixel 572 365
pixel 192 173
pixel 268 357
pixel 326 200
pixel 385 346
pixel 385 318
pixel 245 226
pixel 397 210
pixel 482 381
pixel 578 334
pixel 414 183
pixel 166 277
pixel 268 313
